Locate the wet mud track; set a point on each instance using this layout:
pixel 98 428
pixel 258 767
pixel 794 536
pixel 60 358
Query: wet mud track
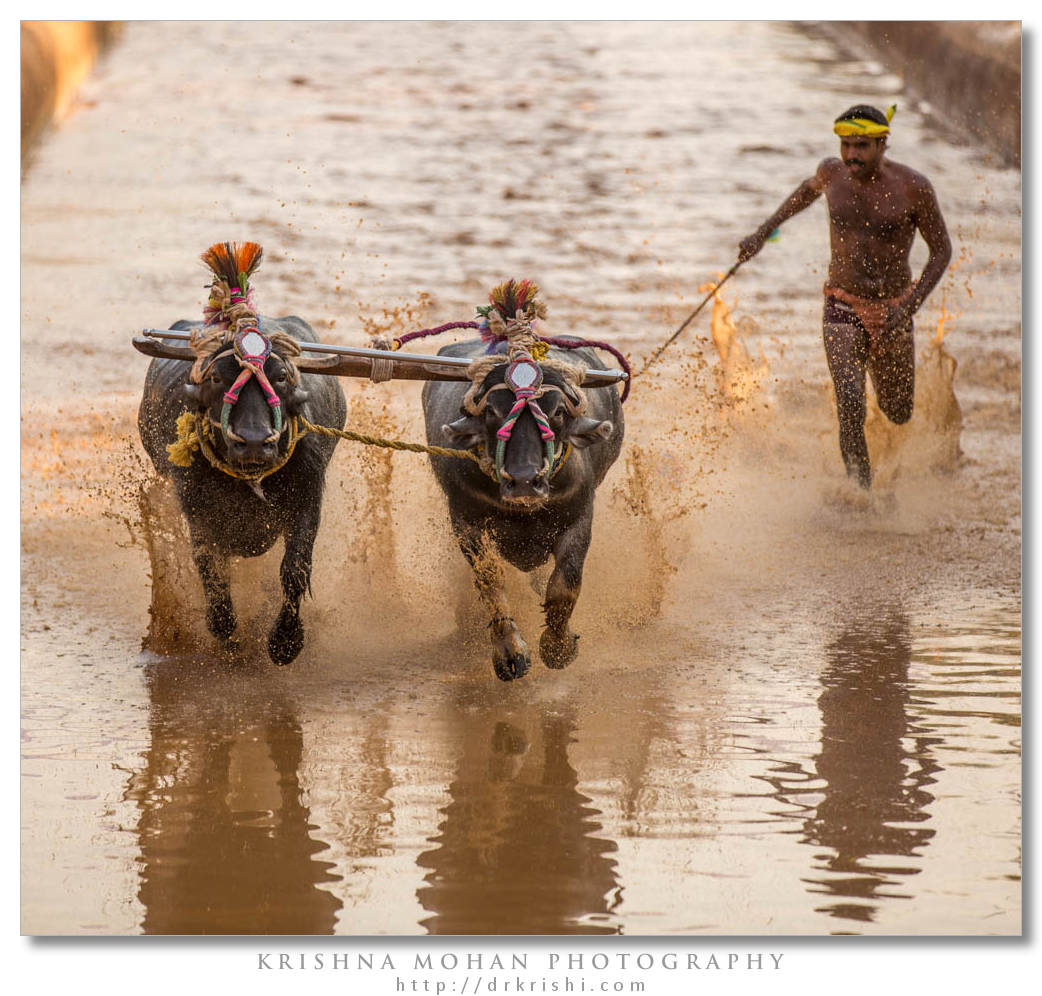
pixel 768 665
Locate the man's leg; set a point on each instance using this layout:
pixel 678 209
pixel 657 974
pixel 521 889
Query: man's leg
pixel 891 365
pixel 846 348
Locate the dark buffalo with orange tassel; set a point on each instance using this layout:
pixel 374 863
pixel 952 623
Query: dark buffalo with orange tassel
pixel 222 426
pixel 544 445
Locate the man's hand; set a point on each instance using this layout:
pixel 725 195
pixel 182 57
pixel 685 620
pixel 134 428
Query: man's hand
pixel 899 316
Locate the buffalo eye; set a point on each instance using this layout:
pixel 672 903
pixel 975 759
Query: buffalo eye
pixel 498 408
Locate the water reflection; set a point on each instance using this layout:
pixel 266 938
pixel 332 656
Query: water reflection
pixel 516 851
pixel 875 763
pixel 225 840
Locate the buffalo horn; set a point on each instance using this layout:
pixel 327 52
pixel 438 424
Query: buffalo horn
pixel 162 350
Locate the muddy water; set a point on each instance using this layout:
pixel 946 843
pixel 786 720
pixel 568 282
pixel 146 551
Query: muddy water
pixel 793 712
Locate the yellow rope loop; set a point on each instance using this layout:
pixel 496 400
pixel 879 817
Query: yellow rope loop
pixel 205 438
pixel 194 433
pixel 392 444
pixel 540 350
pixel 182 450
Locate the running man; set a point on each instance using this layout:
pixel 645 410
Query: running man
pixel 875 208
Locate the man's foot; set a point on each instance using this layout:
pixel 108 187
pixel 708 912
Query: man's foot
pixel 849 496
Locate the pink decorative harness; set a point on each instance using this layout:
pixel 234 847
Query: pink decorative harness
pixel 252 349
pixel 524 377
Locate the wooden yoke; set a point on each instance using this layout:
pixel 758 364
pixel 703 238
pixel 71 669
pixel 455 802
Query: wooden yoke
pixel 355 361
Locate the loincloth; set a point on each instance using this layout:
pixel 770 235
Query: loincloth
pixel 871 313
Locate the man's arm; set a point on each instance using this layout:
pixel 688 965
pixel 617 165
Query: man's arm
pixel 802 197
pixel 930 222
pixel 934 231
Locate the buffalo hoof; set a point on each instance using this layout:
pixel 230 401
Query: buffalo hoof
pixel 558 650
pixel 220 620
pixel 512 667
pixel 286 638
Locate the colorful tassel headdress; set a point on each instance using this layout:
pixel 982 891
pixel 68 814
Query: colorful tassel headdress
pixel 231 300
pixel 514 299
pixel 513 306
pixel 230 309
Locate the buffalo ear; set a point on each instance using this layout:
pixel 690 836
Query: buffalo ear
pixel 467 431
pixel 192 393
pixel 585 431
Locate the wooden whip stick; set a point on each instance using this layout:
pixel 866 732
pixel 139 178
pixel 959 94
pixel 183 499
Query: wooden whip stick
pixel 690 318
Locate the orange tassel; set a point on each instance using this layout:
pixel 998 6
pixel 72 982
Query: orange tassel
pixel 227 260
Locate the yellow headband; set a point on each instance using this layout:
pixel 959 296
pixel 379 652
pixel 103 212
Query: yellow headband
pixel 863 126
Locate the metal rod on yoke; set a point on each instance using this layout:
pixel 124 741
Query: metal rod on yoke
pixel 687 321
pixel 450 364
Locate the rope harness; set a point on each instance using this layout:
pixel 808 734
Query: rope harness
pixel 495 330
pixel 481 459
pixel 524 377
pixel 195 431
pixel 252 349
pixel 196 434
pixel 231 326
pixel 231 321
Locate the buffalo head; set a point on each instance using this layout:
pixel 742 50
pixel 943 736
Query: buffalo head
pixel 524 415
pixel 248 389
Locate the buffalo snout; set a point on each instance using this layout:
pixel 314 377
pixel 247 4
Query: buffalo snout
pixel 527 490
pixel 253 451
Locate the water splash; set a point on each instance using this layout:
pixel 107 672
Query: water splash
pixel 739 377
pixel 930 441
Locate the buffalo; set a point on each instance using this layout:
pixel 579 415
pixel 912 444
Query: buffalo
pixel 543 446
pixel 222 427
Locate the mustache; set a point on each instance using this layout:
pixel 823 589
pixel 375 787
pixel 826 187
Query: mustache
pixel 853 162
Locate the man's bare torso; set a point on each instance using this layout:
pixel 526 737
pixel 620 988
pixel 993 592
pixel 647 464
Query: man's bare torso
pixel 872 227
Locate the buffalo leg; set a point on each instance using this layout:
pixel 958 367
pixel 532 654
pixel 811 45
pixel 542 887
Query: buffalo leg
pixel 510 656
pixel 558 646
pixel 286 638
pixel 213 571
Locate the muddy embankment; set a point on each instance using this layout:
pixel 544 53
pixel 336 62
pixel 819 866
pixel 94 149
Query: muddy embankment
pixel 56 57
pixel 968 71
